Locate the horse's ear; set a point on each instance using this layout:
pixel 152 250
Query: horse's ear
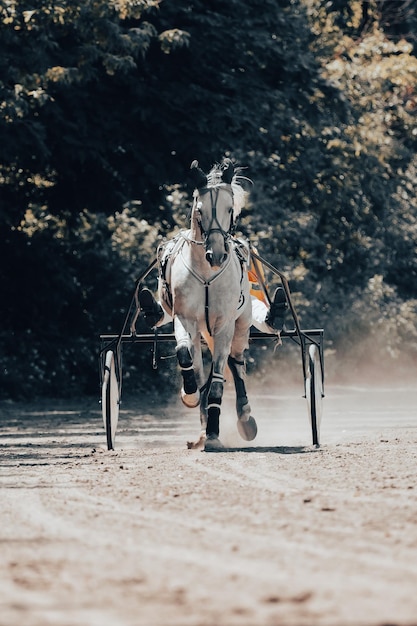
pixel 228 171
pixel 198 177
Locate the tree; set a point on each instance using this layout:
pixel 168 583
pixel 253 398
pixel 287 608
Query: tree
pixel 104 105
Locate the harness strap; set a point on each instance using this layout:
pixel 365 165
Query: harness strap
pixel 202 280
pixel 206 309
pixel 167 251
pixel 206 284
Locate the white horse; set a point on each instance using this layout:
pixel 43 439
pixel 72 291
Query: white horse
pixel 209 298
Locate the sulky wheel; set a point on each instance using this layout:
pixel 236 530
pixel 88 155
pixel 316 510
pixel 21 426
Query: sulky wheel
pixel 314 391
pixel 110 399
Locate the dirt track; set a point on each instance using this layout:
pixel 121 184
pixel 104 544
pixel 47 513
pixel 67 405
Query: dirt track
pixel 154 534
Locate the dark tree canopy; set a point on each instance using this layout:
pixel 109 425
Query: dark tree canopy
pixel 105 104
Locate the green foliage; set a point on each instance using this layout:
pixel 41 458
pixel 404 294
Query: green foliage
pixel 103 106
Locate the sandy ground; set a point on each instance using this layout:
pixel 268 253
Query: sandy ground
pixel 154 534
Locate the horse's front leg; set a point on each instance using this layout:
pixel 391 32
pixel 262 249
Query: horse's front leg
pixel 190 393
pixel 215 388
pixel 237 365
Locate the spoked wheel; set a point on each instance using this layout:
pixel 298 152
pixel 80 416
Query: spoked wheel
pixel 110 399
pixel 314 391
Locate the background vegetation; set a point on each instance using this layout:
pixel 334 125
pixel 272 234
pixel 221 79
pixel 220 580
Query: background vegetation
pixel 105 103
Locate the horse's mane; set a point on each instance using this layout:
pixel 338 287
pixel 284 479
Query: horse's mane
pixel 214 179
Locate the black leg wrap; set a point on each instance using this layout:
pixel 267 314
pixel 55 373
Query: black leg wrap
pixel 189 381
pixel 213 415
pixel 186 364
pixel 239 382
pixel 184 357
pixel 215 393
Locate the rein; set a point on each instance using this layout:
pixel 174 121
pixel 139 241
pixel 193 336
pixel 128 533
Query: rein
pixel 191 240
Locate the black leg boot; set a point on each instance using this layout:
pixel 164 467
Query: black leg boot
pixel 276 314
pixel 152 311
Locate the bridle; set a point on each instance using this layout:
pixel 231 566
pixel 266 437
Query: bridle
pixel 213 227
pixel 214 224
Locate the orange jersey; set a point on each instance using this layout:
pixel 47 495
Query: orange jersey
pixel 255 288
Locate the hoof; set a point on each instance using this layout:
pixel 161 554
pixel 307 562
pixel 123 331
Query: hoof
pixel 213 444
pixel 247 430
pixel 243 411
pixel 191 400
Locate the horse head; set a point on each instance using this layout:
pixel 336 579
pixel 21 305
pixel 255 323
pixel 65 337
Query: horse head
pixel 213 209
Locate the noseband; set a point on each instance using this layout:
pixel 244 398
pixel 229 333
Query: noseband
pixel 214 225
